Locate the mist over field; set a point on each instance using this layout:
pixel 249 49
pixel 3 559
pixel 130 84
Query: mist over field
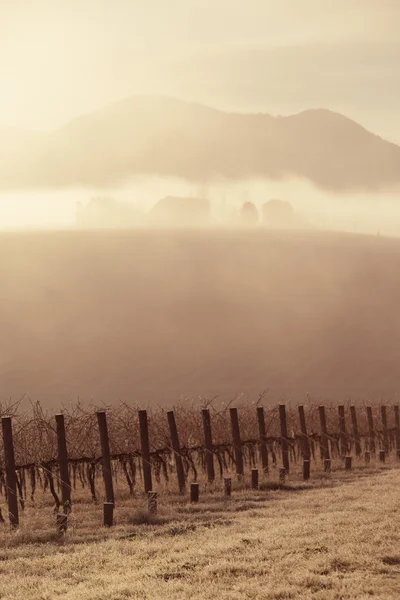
pixel 151 316
pixel 159 249
pixel 360 212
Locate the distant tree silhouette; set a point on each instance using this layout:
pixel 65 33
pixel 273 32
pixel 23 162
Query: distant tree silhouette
pixel 248 214
pixel 277 212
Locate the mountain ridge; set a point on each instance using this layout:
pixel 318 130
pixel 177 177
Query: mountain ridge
pixel 160 135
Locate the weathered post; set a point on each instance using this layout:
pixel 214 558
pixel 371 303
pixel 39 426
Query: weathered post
pixel 254 479
pixel 397 426
pixel 263 438
pixel 227 486
pixel 11 476
pixel 177 451
pixel 306 470
pixel 145 450
pixel 356 436
pixel 342 430
pixel 382 456
pixel 284 437
pixel 108 514
pixel 106 459
pixel 208 444
pixel 237 443
pixel 371 445
pixel 194 492
pixel 63 463
pixel 385 430
pixel 305 444
pixel 347 464
pixel 324 438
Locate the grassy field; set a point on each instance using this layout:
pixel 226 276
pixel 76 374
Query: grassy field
pixel 119 317
pixel 163 314
pixel 335 538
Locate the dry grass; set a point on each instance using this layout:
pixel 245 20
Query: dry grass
pixel 336 538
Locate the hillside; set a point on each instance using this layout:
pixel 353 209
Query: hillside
pixel 150 316
pixel 163 136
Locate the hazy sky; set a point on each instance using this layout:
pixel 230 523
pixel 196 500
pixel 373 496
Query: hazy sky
pixel 61 58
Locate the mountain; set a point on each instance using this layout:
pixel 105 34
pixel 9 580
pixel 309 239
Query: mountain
pixel 164 136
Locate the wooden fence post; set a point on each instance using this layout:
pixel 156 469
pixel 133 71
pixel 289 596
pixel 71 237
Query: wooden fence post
pixel 305 444
pixel 284 437
pixel 397 426
pixel 227 486
pixel 208 444
pixel 324 436
pixel 254 479
pixel 237 444
pixel 11 475
pixel 371 445
pixel 108 514
pixel 342 431
pixel 356 436
pixel 385 429
pixel 263 438
pixel 177 451
pixel 194 492
pixel 63 463
pixel 145 450
pixel 106 459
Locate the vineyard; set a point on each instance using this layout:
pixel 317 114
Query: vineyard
pixel 135 452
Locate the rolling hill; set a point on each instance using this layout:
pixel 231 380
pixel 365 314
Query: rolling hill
pixel 163 136
pixel 152 316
